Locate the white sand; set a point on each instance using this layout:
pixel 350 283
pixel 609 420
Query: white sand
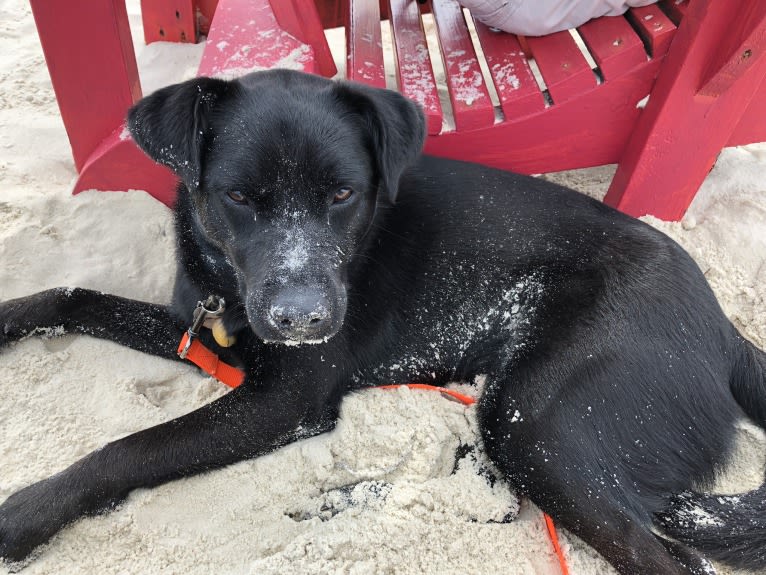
pixel 61 398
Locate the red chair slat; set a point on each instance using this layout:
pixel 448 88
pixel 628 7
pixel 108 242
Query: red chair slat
pixel 564 68
pixel 415 74
pixel 514 82
pixel 364 44
pixel 654 27
pixel 267 45
pixel 614 45
pixel 300 18
pixel 471 105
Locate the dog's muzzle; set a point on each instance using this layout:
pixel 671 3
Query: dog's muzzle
pixel 301 315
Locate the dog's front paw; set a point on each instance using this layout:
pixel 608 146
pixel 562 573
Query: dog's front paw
pixel 13 326
pixel 30 517
pixel 9 330
pixel 43 313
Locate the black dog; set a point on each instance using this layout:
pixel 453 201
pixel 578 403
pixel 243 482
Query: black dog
pixel 346 260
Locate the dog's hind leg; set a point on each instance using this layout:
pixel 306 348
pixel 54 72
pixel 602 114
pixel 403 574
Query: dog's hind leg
pixel 559 448
pixel 596 513
pixel 626 541
pixel 139 325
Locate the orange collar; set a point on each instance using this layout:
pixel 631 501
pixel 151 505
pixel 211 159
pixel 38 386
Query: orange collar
pixel 209 362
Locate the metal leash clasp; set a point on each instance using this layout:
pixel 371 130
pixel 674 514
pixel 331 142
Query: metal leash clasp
pixel 204 315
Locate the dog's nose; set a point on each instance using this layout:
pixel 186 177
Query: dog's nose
pixel 300 314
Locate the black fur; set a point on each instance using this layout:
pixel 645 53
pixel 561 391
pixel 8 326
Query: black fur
pixel 614 379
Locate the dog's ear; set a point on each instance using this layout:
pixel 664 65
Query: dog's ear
pixel 170 124
pixel 397 129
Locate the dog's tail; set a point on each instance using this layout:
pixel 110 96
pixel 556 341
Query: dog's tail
pixel 730 529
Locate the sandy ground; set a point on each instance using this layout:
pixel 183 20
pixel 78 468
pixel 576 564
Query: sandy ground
pixel 379 494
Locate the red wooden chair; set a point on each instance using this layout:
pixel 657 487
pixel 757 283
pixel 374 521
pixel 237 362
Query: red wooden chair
pixel 706 82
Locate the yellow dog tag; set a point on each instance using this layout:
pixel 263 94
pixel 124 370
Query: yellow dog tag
pixel 221 336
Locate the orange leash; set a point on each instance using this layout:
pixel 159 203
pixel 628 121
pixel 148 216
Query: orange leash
pixel 459 397
pixel 229 375
pixel 556 547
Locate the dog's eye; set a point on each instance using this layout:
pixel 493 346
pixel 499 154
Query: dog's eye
pixel 342 195
pixel 237 197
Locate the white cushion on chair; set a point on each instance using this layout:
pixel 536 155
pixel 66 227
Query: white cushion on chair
pixel 541 17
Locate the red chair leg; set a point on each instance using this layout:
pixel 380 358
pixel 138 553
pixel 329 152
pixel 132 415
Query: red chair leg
pixel 89 52
pixel 752 126
pixel 90 58
pixel 714 67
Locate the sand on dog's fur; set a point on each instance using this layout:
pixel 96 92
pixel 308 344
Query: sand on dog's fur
pixel 379 494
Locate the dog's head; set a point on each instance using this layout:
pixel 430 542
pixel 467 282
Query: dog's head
pixel 284 171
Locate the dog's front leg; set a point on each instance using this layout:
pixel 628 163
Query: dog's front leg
pixel 139 325
pixel 245 423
